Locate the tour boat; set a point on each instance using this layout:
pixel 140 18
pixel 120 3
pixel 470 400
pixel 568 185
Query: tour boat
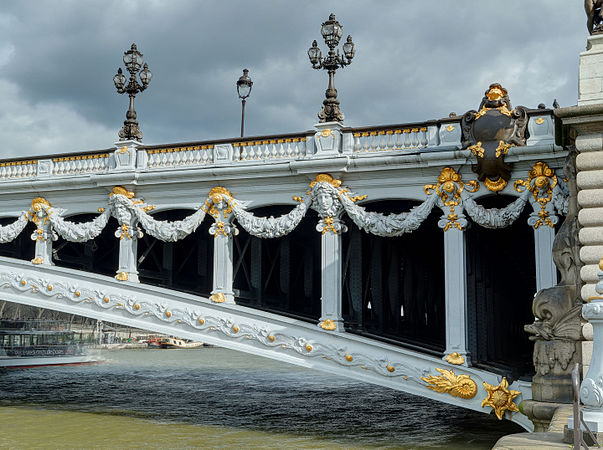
pixel 36 343
pixel 172 342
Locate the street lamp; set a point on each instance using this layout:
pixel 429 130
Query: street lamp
pixel 133 61
pixel 331 31
pixel 244 85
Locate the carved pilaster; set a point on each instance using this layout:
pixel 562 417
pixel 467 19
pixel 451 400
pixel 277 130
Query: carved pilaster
pixel 325 200
pixel 43 235
pixel 128 234
pixel 219 206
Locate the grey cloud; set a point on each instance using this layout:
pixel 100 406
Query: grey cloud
pixel 415 61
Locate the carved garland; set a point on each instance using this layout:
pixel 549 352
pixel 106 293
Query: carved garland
pixel 326 196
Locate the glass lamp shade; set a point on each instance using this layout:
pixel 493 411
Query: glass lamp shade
pixel 314 53
pixel 348 48
pixel 133 59
pixel 244 84
pixel 145 75
pixel 331 31
pixel 119 79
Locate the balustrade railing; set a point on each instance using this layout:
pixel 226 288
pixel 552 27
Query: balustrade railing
pixel 194 155
pixel 291 148
pixel 439 135
pixel 18 169
pixel 76 165
pixel 391 139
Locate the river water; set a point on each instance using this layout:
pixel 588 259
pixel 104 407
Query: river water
pixel 216 398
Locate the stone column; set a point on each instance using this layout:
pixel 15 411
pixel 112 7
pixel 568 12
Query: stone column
pixel 219 206
pixel 43 235
pixel 330 261
pixel 128 234
pixel 222 288
pixel 583 128
pixel 456 290
pixel 591 389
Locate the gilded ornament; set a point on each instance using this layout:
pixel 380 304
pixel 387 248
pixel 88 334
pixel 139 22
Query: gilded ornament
pixel 390 368
pixel 477 149
pixel 120 190
pixel 201 321
pixel 328 324
pixel 235 328
pixel 77 293
pixel 101 210
pixel 36 204
pixel 124 231
pixel 450 128
pixel 308 347
pixel 122 276
pixel 271 338
pixel 168 314
pixel 325 178
pixel 49 287
pixel 539 121
pixel 448 383
pixel 541 181
pixel 326 132
pixel 502 149
pixel 500 398
pixel 218 297
pixel 123 150
pixel 455 358
pixel 23 282
pixel 105 299
pixel 495 185
pixel 449 188
pixel 38 260
pixel 297 199
pixel 348 357
pixel 136 306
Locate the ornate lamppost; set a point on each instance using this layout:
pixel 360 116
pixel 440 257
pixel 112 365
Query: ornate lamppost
pixel 331 31
pixel 244 85
pixel 133 61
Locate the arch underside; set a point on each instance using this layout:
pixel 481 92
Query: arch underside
pixel 242 329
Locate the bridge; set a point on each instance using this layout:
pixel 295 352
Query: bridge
pixel 401 255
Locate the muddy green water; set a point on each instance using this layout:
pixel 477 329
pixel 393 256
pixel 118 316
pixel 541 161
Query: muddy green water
pixel 215 398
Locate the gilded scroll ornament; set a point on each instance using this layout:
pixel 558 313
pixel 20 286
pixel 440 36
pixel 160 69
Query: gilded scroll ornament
pixel 449 188
pixel 541 181
pixel 448 383
pixel 477 149
pixel 455 358
pixel 500 398
pixel 38 260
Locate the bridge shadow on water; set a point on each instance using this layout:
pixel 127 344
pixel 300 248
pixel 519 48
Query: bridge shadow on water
pixel 236 392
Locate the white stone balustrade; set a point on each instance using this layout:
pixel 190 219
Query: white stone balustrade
pixel 18 169
pixel 77 165
pixel 425 137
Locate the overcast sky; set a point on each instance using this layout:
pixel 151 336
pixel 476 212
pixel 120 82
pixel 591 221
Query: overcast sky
pixel 415 60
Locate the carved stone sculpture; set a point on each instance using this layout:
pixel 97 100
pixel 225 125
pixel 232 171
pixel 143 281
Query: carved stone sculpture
pixel 594 19
pixel 490 132
pixel 557 330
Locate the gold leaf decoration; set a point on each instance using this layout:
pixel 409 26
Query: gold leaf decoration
pixel 455 358
pixel 500 398
pixel 456 385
